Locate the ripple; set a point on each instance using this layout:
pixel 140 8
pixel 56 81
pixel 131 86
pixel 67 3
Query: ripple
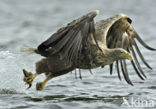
pixel 34 99
pixel 22 107
pixel 9 91
pixel 59 85
pixel 52 97
pixel 63 98
pixel 45 98
pixel 152 87
pixel 80 99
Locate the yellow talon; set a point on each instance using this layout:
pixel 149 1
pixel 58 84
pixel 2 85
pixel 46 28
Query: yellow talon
pixel 29 77
pixel 41 85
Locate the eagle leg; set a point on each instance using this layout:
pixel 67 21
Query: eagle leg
pixel 29 77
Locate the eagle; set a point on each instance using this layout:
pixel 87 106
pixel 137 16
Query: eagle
pixel 84 44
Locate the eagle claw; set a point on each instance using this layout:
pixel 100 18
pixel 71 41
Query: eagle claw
pixel 28 78
pixel 39 86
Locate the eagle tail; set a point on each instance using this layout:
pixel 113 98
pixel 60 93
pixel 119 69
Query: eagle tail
pixel 28 49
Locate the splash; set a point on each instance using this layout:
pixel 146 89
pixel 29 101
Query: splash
pixel 10 72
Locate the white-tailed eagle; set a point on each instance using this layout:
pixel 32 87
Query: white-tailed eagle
pixel 84 44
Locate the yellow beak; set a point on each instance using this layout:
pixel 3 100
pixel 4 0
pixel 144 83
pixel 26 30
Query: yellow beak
pixel 129 56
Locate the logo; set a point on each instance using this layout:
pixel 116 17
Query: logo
pixel 137 102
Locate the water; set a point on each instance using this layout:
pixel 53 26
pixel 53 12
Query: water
pixel 29 22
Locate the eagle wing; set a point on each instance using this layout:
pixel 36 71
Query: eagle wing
pixel 121 34
pixel 69 41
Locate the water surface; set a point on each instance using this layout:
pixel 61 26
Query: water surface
pixel 29 22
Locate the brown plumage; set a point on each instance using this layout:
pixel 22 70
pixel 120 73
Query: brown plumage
pixel 83 44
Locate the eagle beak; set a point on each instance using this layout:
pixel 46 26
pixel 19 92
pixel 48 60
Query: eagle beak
pixel 126 56
pixel 129 56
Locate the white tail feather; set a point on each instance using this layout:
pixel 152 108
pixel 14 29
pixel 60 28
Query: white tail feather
pixel 28 49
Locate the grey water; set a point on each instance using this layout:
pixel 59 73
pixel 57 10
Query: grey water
pixel 29 22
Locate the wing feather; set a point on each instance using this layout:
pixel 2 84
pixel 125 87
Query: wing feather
pixel 111 69
pixel 141 41
pixel 137 62
pixel 118 71
pixel 140 55
pixel 125 73
pixel 135 68
pixel 70 40
pixel 116 38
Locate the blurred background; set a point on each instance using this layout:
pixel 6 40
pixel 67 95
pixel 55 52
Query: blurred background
pixel 30 22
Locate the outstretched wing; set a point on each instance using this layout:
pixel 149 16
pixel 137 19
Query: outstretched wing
pixel 69 41
pixel 121 34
